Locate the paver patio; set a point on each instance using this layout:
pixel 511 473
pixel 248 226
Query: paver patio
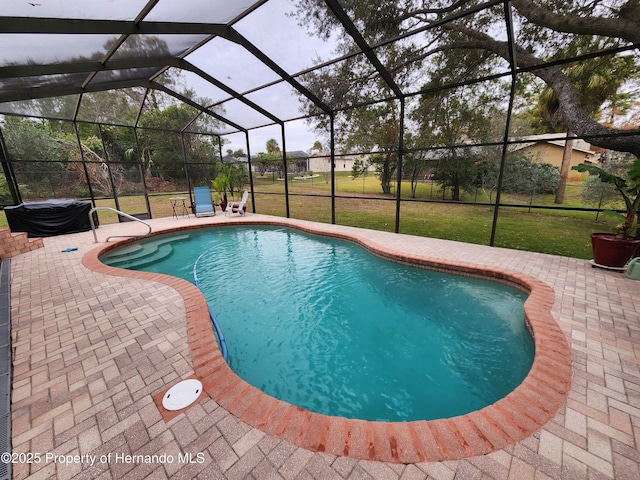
pixel 90 351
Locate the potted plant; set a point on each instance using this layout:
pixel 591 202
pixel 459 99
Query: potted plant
pixel 231 179
pixel 221 185
pixel 615 249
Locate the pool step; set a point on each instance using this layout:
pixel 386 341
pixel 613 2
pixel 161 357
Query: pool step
pixel 143 254
pixel 158 254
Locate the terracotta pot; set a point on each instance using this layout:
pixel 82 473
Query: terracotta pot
pixel 610 251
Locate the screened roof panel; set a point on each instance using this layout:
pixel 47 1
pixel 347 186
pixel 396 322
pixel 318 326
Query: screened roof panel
pixel 137 46
pixel 236 141
pixel 91 10
pixel 336 84
pixel 204 90
pixel 408 18
pixel 273 28
pixel 206 124
pixel 232 64
pixel 555 45
pixel 396 22
pixel 281 99
pixel 244 115
pixel 403 69
pixel 205 128
pixel 58 108
pixel 105 107
pixel 301 136
pixel 420 68
pixel 547 40
pixel 219 51
pixel 159 100
pixel 161 108
pixel 48 49
pixel 199 11
pixel 108 76
pixel 41 81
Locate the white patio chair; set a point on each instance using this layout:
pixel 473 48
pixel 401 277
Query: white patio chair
pixel 237 207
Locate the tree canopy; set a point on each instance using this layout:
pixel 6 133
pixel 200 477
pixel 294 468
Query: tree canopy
pixel 468 41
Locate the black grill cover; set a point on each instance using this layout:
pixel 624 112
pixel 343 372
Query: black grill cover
pixel 49 217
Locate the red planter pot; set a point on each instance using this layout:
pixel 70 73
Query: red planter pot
pixel 610 251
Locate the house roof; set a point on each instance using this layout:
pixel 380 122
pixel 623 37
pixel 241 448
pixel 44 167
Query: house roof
pixel 298 154
pixel 558 139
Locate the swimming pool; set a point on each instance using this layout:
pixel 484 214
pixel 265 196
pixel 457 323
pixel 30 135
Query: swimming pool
pixel 322 324
pixel 518 415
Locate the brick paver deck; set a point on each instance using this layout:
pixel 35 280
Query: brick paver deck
pixel 91 351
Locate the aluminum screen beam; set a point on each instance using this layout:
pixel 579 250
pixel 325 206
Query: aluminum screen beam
pixel 105 27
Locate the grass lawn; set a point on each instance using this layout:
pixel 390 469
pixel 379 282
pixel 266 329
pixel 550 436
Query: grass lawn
pixel 564 234
pixel 539 230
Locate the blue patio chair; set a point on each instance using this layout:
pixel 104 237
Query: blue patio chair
pixel 202 199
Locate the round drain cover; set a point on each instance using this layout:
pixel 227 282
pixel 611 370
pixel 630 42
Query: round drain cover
pixel 182 394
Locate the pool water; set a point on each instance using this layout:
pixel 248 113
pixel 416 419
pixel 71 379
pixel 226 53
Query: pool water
pixel 324 325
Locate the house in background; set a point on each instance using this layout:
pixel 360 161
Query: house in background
pixel 321 162
pixel 228 159
pixel 297 161
pixel 549 148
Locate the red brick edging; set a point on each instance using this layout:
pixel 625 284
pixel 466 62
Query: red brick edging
pixel 521 413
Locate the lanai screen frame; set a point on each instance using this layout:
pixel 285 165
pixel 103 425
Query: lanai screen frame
pixel 125 28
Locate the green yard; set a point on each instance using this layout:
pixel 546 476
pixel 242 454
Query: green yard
pixel 538 230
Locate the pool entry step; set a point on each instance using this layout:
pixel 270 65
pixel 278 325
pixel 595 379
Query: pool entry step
pixel 141 254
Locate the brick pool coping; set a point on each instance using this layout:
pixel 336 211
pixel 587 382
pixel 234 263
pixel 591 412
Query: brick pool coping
pixel 518 415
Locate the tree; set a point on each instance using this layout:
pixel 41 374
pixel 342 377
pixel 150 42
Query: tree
pixel 414 162
pixel 37 154
pixel 602 194
pixel 271 160
pixel 375 128
pixel 272 146
pixel 28 140
pixel 237 178
pixel 162 150
pixel 521 176
pixel 103 179
pixel 236 153
pixel 371 128
pixel 360 168
pixel 230 179
pixel 477 40
pixel 627 184
pixel 451 118
pixel 596 80
pixel 456 170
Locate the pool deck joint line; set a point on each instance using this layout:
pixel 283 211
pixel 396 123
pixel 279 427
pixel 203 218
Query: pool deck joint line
pixel 515 417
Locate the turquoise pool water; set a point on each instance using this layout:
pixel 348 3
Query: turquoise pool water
pixel 325 325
